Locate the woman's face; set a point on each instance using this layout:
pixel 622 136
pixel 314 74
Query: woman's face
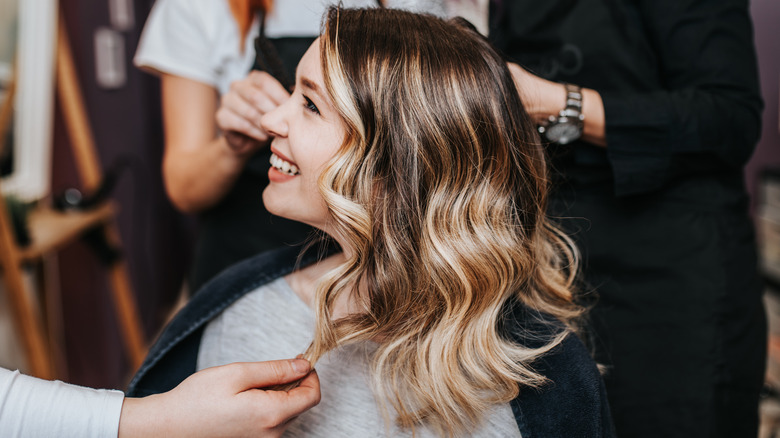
pixel 307 131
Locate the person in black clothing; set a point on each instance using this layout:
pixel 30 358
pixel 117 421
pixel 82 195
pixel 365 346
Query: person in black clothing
pixel 653 193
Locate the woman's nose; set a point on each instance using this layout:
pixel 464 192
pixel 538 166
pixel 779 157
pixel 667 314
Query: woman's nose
pixel 274 122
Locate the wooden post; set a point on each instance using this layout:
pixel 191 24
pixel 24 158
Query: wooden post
pixel 27 314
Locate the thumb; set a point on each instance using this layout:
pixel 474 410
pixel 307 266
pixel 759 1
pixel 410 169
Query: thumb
pixel 249 375
pixel 299 399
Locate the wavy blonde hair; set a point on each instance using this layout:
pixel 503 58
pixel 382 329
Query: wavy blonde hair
pixel 440 190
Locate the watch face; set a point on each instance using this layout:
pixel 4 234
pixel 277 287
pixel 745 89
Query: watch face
pixel 563 132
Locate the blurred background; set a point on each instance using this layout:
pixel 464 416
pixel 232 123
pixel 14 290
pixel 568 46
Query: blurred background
pixel 123 114
pixel 123 109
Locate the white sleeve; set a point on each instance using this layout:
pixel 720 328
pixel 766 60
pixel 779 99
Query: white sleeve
pixel 31 407
pixel 176 40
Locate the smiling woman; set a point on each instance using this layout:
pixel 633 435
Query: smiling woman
pixel 447 308
pixel 307 131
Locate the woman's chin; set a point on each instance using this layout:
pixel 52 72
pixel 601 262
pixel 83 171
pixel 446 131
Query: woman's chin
pixel 281 201
pixel 284 206
pixel 272 203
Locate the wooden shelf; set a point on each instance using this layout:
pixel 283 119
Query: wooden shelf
pixel 50 230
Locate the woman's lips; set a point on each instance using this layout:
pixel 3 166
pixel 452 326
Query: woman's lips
pixel 282 168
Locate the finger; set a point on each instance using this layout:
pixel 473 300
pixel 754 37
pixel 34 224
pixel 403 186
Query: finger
pixel 269 86
pixel 230 121
pixel 310 385
pixel 246 98
pixel 235 103
pixel 302 398
pixel 260 99
pixel 262 374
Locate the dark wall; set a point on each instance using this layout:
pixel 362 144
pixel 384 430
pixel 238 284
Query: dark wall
pixel 126 124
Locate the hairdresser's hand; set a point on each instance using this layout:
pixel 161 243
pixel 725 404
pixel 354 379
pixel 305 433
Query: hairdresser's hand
pixel 543 98
pixel 244 105
pixel 223 401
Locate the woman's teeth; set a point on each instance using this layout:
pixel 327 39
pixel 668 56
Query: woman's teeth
pixel 283 166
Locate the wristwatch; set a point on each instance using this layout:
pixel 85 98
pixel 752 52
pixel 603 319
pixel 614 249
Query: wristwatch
pixel 567 125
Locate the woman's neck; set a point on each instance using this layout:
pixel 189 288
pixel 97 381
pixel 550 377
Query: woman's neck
pixel 304 282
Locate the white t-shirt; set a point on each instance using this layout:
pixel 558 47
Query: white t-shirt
pixel 34 408
pixel 195 39
pixel 199 39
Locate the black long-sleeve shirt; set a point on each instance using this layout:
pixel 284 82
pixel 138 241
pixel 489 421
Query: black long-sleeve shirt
pixel 660 214
pixel 678 79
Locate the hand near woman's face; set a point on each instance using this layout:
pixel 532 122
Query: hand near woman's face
pixel 241 109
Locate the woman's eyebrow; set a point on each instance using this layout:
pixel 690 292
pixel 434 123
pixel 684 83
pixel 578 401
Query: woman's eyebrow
pixel 311 85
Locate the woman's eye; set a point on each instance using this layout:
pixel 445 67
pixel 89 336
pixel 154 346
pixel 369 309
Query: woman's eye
pixel 309 105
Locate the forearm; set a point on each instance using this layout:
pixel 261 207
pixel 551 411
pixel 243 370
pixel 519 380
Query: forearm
pixel 145 417
pixel 200 165
pixel 706 123
pixel 593 130
pixel 198 178
pixel 706 105
pixel 31 407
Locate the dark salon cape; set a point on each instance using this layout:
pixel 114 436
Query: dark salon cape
pixel 660 215
pixel 572 404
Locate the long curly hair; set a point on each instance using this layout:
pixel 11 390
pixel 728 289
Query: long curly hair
pixel 440 190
